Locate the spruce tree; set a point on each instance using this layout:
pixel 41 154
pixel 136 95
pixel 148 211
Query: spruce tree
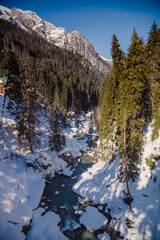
pixel 75 104
pixel 109 100
pixel 56 138
pixel 124 104
pixel 27 132
pixel 64 95
pixel 116 52
pixel 56 100
pixel 13 87
pixel 153 36
pixel 132 106
pixel 153 56
pixel 11 64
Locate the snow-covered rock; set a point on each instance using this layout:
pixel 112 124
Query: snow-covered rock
pixel 103 236
pixel 92 219
pixel 66 156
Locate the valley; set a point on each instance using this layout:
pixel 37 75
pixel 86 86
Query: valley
pixel 79 134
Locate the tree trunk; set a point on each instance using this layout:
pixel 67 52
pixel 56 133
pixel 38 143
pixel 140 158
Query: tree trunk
pixel 124 131
pixel 2 110
pixel 127 182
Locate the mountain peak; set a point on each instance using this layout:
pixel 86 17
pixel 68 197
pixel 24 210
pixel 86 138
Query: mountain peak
pixel 57 35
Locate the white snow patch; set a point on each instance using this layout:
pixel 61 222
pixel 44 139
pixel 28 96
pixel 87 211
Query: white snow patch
pixel 20 193
pixel 70 224
pixel 45 227
pixel 103 236
pixel 93 219
pixel 2 8
pixel 62 207
pixel 79 212
pixel 150 147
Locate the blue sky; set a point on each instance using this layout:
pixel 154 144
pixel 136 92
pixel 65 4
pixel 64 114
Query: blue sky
pixel 97 20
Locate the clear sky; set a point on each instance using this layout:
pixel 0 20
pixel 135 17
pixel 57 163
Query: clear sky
pixel 96 20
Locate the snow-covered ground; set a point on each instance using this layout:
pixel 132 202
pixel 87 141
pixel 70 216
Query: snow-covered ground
pixel 20 192
pixel 21 187
pixel 102 185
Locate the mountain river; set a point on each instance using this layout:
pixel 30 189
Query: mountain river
pixel 59 197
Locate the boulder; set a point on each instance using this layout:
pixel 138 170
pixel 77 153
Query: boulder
pixel 92 219
pixel 67 156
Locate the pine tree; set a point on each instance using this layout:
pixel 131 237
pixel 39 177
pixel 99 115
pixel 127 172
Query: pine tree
pixel 27 132
pixel 56 139
pixel 14 93
pixel 109 100
pixel 56 101
pixel 13 86
pixel 153 56
pixel 75 104
pixel 153 36
pixel 64 95
pixel 132 106
pixel 116 52
pixel 124 105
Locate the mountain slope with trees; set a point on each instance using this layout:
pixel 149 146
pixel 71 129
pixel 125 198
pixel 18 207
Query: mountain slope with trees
pixel 126 180
pixel 40 73
pixel 54 67
pixel 73 41
pixel 131 100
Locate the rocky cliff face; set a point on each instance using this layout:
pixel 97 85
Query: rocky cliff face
pixel 59 36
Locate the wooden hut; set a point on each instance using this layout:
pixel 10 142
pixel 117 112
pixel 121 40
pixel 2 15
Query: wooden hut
pixel 3 84
pixel 2 89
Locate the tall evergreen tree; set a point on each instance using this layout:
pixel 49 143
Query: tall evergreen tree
pixel 153 36
pixel 14 93
pixel 56 138
pixel 153 56
pixel 109 100
pixel 56 97
pixel 75 104
pixel 116 52
pixel 27 131
pixel 132 106
pixel 124 105
pixel 64 95
pixel 13 86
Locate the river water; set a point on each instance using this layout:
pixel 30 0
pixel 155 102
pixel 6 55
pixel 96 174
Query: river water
pixel 59 197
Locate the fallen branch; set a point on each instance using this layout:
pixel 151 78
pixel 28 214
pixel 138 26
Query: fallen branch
pixel 112 182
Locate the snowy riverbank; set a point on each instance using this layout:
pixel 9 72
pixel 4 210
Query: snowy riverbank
pixel 21 187
pixel 100 188
pixel 101 184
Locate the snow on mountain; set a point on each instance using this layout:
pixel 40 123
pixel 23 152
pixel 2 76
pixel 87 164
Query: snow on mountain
pixel 57 35
pixel 4 9
pixel 109 61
